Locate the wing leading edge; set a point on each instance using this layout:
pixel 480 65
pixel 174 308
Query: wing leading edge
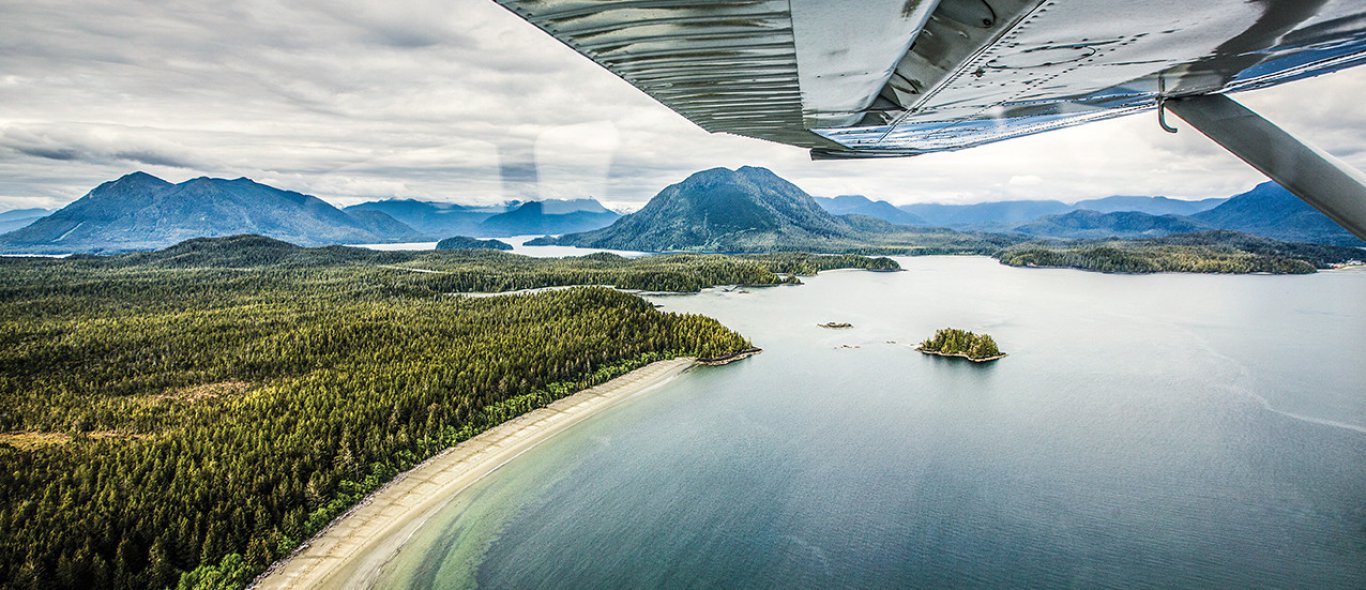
pixel 905 77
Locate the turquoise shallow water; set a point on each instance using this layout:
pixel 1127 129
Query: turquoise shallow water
pixel 1164 431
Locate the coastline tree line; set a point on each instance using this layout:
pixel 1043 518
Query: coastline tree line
pixel 1204 252
pixel 186 417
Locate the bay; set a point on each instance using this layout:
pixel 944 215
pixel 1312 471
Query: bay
pixel 1153 431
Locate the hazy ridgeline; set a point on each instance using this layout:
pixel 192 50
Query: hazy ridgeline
pixel 214 404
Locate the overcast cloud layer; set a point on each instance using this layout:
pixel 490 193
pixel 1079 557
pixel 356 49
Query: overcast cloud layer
pixel 459 100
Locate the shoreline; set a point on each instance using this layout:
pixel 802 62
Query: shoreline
pixel 350 551
pixel 729 358
pixel 961 355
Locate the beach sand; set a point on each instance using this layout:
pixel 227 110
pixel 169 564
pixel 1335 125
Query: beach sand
pixel 350 552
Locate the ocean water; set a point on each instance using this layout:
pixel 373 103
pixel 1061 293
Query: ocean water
pixel 1160 431
pixel 518 244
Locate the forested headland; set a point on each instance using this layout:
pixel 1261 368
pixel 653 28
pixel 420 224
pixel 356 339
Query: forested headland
pixel 1205 252
pixel 185 417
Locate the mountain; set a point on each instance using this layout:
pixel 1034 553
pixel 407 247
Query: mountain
pixel 563 206
pixel 17 218
pixel 140 211
pixel 1001 215
pixel 382 224
pixel 861 205
pixel 996 215
pixel 433 218
pixel 1122 224
pixel 1269 210
pixel 548 217
pixel 744 210
pixel 468 243
pixel 1149 205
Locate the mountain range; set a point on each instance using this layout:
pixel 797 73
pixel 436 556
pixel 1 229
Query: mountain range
pixel 1087 224
pixel 991 216
pixel 747 209
pixel 752 209
pixel 140 212
pixel 433 219
pixel 515 218
pixel 1149 205
pixel 548 217
pixel 861 205
pixel 1006 215
pixel 1268 210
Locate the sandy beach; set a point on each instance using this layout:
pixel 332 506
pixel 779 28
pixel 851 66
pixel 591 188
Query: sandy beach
pixel 350 552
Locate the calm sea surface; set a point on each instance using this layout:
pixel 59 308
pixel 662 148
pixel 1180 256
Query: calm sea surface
pixel 1162 431
pixel 518 244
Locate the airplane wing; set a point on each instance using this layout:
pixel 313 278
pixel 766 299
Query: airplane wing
pixel 905 77
pixel 871 78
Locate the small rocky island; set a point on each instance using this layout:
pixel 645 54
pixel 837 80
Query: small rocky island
pixel 978 348
pixel 836 325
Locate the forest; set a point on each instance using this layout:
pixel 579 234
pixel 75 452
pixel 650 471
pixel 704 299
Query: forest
pixel 954 342
pixel 1205 252
pixel 183 418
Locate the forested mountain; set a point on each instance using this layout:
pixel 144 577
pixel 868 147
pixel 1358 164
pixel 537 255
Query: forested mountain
pixel 381 224
pixel 1122 224
pixel 1271 211
pixel 433 218
pixel 1149 205
pixel 468 243
pixel 17 218
pixel 140 211
pixel 548 217
pixel 749 209
pixel 861 205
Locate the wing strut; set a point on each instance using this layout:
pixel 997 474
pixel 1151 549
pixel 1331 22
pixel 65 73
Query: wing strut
pixel 1329 184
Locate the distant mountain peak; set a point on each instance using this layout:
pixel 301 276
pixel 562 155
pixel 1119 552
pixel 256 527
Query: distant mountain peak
pixel 549 217
pixel 562 206
pixel 720 209
pixel 861 205
pixel 139 176
pixel 135 179
pixel 758 172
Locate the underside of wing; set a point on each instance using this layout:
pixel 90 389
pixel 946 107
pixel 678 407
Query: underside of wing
pixel 904 77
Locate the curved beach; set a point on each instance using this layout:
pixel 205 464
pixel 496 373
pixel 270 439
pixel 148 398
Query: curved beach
pixel 351 550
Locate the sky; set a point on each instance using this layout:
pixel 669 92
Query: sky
pixel 459 100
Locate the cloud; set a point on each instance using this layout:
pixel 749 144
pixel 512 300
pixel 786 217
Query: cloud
pixel 461 100
pixel 82 144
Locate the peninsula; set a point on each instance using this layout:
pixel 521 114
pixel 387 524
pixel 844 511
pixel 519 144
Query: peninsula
pixel 951 342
